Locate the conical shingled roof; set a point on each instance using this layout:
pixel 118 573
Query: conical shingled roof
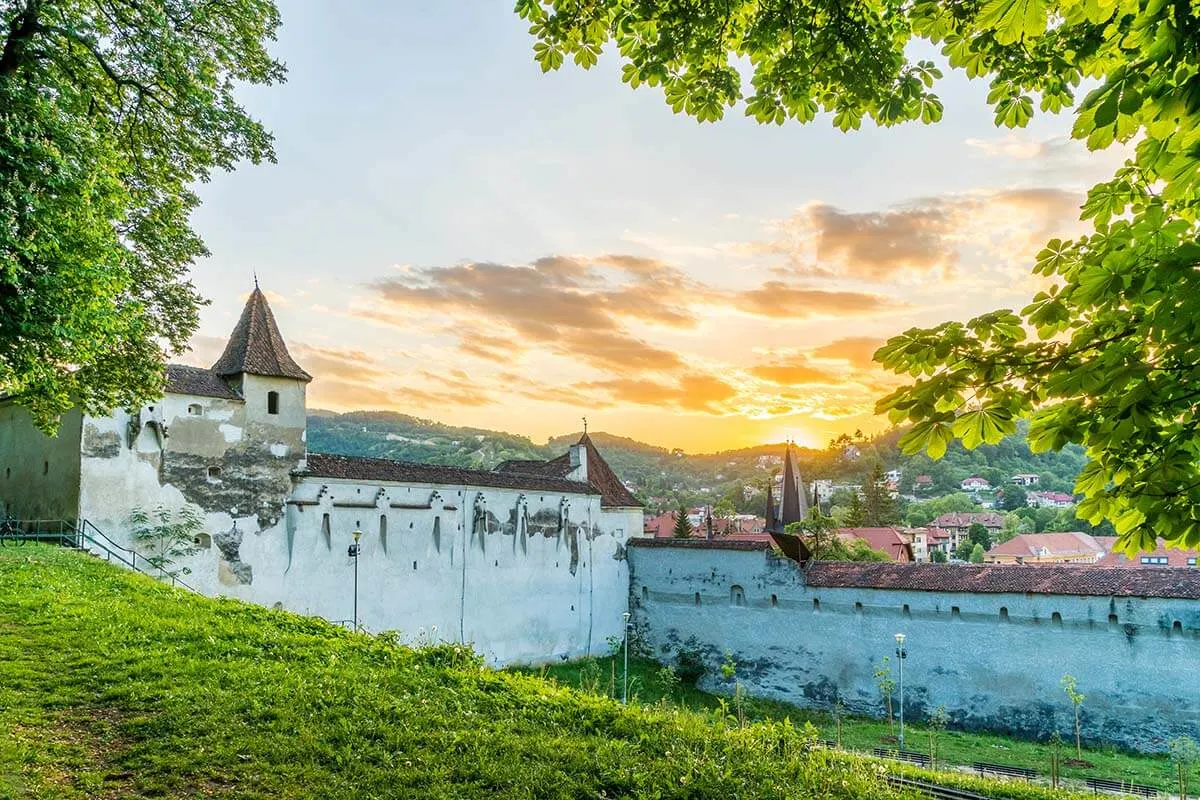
pixel 256 346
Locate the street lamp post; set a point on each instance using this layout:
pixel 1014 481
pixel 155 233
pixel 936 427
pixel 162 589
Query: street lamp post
pixel 901 654
pixel 625 672
pixel 353 552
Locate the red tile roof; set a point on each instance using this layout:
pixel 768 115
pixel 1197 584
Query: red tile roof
pixel 965 519
pixel 886 540
pixel 704 544
pixel 1029 545
pixel 1054 497
pixel 1086 580
pixel 613 493
pixel 1175 558
pixel 324 465
pixel 198 381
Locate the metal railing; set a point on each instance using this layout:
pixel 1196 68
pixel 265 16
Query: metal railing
pixel 83 535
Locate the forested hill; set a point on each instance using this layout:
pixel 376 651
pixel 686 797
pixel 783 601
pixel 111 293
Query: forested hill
pixel 680 477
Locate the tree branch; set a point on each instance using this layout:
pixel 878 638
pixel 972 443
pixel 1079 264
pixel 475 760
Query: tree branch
pixel 21 30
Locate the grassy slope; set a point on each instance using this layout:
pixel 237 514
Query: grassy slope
pixel 112 685
pixel 955 748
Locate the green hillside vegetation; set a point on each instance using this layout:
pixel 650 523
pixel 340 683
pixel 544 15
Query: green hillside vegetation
pixel 955 749
pixel 667 478
pixel 112 685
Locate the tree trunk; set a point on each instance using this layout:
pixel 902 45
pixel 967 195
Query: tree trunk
pixel 1079 738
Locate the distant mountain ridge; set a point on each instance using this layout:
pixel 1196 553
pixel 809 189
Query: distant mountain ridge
pixel 664 476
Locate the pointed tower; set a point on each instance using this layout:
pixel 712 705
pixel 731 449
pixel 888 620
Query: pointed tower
pixel 793 505
pixel 257 365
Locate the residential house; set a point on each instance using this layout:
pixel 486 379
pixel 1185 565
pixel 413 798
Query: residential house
pixel 957 523
pixel 886 540
pixel 1049 500
pixel 1070 547
pixel 922 483
pixel 1024 479
pixel 975 484
pixel 1161 557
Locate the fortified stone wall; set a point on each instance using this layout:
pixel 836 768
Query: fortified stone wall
pixel 521 587
pixel 39 474
pixel 543 578
pixel 994 660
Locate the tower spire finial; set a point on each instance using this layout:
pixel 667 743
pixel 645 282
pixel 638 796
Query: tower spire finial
pixel 585 425
pixel 255 273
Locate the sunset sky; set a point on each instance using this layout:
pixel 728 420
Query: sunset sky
pixel 452 234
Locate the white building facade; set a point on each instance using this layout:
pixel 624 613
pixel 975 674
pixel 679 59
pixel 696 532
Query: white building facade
pixel 525 562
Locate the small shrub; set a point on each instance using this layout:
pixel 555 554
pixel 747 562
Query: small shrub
pixel 668 681
pixel 1184 754
pixel 689 662
pixel 451 655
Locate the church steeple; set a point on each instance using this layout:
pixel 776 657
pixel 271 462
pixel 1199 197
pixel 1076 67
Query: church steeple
pixel 793 500
pixel 256 347
pixel 793 506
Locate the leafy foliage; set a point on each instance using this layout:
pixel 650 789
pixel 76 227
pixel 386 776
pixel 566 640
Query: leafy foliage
pixel 110 112
pixel 885 683
pixel 1070 686
pixel 168 535
pixel 1184 755
pixel 1107 356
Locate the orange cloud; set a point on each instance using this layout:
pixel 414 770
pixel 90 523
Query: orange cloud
pixel 793 374
pixel 780 300
pixel 857 350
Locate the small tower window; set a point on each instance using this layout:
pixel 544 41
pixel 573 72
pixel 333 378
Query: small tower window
pixel 195 410
pixel 45 467
pixel 272 402
pixel 737 595
pixel 214 472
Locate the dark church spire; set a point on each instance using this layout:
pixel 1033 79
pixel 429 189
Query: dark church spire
pixel 256 347
pixel 793 505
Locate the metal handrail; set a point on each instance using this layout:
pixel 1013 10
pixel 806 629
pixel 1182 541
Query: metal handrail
pixel 75 534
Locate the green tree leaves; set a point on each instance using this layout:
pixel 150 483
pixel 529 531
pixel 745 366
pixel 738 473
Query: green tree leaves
pixel 1013 20
pixel 109 114
pixel 1108 356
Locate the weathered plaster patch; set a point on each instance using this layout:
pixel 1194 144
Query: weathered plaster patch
pixel 233 569
pixel 100 444
pixel 231 433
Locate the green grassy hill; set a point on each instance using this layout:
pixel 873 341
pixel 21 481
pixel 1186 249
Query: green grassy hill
pixel 112 685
